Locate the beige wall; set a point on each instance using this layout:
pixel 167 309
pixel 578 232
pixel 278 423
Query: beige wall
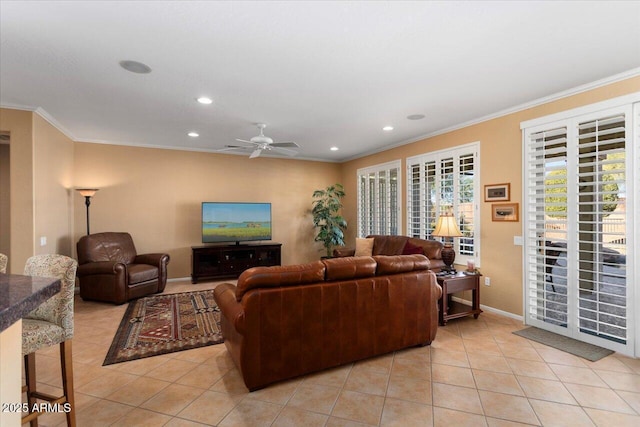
pixel 20 125
pixel 500 161
pixel 52 184
pixel 156 195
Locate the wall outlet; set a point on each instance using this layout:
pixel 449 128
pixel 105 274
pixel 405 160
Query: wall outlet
pixel 487 281
pixel 43 241
pixel 517 240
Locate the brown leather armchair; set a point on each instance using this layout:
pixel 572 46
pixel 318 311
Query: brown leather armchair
pixel 110 269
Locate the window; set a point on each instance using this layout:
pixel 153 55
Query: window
pixel 442 181
pixel 578 175
pixel 379 199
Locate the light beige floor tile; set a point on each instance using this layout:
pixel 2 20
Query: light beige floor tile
pixel 497 422
pixel 140 366
pixel 507 407
pixel 143 418
pixel 416 354
pixel 489 363
pixel 559 414
pixel 138 391
pixel 102 413
pixel 529 368
pixel 412 389
pixel 335 377
pixel 443 417
pixel 210 407
pixel 411 369
pixel 453 375
pixel 609 363
pixel 279 393
pixel 231 383
pixel 621 380
pixel 487 347
pixel 447 357
pixel 202 376
pixel 552 355
pixel 106 384
pixel 341 422
pixel 315 398
pixel 599 398
pixel 398 413
pixel 172 370
pixel 633 364
pixel 457 398
pixel 522 350
pixel 633 399
pixel 577 375
pixel 181 422
pixel 360 407
pixel 447 340
pixel 380 364
pixel 541 389
pixel 293 417
pixel 606 419
pixel 251 413
pixel 172 399
pixel 365 381
pixel 498 382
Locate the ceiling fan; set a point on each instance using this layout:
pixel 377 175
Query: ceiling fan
pixel 261 143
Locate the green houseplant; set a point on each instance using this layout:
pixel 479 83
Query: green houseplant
pixel 326 219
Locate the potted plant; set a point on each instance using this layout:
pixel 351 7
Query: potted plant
pixel 325 210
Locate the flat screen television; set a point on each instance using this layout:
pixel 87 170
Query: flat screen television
pixel 235 222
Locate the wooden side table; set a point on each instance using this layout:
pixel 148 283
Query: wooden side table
pixel 458 282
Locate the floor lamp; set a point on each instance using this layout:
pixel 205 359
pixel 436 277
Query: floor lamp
pixel 447 227
pixel 88 194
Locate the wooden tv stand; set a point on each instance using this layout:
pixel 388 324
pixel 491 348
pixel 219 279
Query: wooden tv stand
pixel 218 261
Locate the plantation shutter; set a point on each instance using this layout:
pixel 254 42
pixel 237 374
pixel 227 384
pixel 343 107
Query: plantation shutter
pixel 578 232
pixel 442 181
pixel 379 200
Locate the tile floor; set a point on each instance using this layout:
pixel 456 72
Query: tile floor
pixel 476 373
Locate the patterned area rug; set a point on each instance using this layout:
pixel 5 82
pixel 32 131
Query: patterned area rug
pixel 166 323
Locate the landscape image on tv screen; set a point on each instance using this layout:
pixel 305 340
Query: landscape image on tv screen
pixel 235 222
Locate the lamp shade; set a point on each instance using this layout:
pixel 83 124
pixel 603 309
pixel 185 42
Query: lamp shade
pixel 87 192
pixel 446 226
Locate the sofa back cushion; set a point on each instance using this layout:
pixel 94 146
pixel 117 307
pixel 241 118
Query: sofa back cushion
pixel 389 245
pixel 432 248
pixel 395 264
pixel 276 276
pixel 107 246
pixel 349 268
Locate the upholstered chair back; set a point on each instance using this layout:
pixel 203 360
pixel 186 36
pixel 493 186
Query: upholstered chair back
pixel 58 310
pixel 3 263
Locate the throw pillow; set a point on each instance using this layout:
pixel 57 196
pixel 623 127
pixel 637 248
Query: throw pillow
pixel 364 247
pixel 410 249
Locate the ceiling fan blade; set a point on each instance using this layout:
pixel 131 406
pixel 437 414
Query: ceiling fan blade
pixel 285 144
pixel 284 151
pixel 246 142
pixel 230 148
pixel 255 153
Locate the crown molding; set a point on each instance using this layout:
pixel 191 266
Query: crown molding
pixel 634 72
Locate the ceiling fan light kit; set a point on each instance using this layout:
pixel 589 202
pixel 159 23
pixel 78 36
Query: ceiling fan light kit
pixel 260 143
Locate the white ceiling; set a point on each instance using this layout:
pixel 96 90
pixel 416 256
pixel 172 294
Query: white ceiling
pixel 318 73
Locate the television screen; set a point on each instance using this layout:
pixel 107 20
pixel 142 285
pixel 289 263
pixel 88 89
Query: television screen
pixel 235 222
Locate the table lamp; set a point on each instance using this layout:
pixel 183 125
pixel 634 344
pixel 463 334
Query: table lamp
pixel 447 227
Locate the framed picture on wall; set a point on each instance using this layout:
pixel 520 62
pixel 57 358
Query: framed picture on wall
pixel 504 212
pixel 497 192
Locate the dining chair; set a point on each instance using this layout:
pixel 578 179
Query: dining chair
pixel 3 263
pixel 50 324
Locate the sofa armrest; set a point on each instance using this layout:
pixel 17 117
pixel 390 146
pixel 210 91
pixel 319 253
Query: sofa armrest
pixel 103 267
pixel 343 252
pixel 225 296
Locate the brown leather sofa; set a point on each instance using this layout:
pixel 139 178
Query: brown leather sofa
pixel 402 245
pixel 110 269
pixel 285 321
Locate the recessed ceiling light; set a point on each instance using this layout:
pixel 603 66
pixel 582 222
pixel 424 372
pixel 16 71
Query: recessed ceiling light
pixel 135 67
pixel 193 134
pixel 416 117
pixel 205 100
pixel 387 128
pixel 334 148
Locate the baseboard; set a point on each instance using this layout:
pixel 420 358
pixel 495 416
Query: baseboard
pixel 491 309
